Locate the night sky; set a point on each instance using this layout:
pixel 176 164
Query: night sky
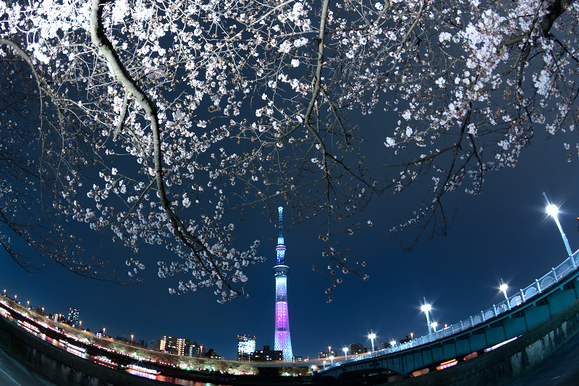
pixel 503 233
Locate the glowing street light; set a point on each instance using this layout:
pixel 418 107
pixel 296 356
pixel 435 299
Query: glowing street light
pixel 345 350
pixel 553 210
pixel 372 336
pixel 503 288
pixel 433 325
pixel 132 336
pixel 426 308
pixel 392 343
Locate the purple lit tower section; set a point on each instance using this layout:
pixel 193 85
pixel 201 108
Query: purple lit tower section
pixel 282 339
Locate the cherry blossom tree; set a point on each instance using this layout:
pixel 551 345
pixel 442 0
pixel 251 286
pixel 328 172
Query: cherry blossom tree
pixel 159 120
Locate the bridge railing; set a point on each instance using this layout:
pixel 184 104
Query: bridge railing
pixel 539 285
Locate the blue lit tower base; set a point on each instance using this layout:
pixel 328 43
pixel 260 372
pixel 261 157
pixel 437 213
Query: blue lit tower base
pixel 282 339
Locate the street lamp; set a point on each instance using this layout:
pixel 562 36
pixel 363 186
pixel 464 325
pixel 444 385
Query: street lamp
pixel 434 325
pixel 503 288
pixel 132 336
pixel 426 309
pixel 372 336
pixel 553 210
pixel 345 350
pixel 392 343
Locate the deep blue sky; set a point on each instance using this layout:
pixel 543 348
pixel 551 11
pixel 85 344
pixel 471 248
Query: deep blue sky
pixel 504 233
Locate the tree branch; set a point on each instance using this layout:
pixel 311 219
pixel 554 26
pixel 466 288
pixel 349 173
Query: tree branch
pixel 100 40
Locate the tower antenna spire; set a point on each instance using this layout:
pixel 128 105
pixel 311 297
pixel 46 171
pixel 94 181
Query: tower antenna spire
pixel 280 215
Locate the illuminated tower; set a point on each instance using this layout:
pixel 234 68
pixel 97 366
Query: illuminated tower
pixel 282 339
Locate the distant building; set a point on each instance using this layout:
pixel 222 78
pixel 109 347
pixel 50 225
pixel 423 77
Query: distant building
pixel 405 339
pixel 326 354
pixel 245 347
pixel 356 348
pixel 179 346
pixel 193 349
pixel 73 317
pixel 268 355
pixel 172 345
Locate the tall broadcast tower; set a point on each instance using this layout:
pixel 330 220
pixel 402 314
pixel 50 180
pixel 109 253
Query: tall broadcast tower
pixel 282 339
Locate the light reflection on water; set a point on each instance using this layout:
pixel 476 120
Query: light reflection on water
pixel 175 381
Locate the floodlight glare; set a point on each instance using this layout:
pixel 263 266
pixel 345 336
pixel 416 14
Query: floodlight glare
pixel 552 210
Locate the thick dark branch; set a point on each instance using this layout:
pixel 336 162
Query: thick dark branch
pixel 100 40
pixel 122 117
pixel 557 9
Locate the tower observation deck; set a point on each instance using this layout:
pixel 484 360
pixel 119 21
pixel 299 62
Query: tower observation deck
pixel 282 338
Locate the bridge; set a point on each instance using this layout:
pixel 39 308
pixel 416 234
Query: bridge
pixel 541 316
pixel 517 315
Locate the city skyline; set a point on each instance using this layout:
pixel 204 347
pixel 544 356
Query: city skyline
pixel 504 233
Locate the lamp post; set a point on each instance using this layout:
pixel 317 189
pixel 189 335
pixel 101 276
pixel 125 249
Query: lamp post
pixel 426 309
pixel 132 336
pixel 503 288
pixel 345 350
pixel 553 210
pixel 392 343
pixel 433 325
pixel 372 336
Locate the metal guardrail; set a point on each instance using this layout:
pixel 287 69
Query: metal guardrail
pixel 538 286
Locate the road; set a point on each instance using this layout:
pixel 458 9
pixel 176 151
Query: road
pixel 560 369
pixel 13 373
